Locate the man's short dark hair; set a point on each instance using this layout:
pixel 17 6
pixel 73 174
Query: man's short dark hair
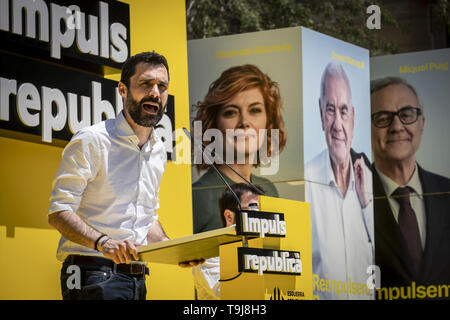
pixel 129 67
pixel 228 201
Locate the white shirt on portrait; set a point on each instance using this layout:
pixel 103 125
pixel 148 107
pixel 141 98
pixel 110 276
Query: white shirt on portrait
pixel 109 182
pixel 341 231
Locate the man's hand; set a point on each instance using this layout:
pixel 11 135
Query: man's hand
pixel 361 182
pixel 190 264
pixel 120 251
pixel 156 233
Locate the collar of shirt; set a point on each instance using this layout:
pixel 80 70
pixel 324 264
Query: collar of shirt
pixel 390 186
pixel 124 130
pixel 329 174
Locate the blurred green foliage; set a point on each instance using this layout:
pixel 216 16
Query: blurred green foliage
pixel 342 19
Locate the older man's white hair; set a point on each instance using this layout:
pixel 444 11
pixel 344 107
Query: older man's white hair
pixel 333 70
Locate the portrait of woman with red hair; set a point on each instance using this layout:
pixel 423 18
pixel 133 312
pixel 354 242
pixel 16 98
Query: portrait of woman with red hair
pixel 243 101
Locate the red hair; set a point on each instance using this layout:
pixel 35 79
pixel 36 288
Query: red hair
pixel 233 81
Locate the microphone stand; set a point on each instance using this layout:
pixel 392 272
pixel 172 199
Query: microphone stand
pixel 211 164
pixel 203 147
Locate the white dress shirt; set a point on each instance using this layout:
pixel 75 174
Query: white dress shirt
pixel 416 200
pixel 206 279
pixel 342 232
pixel 109 182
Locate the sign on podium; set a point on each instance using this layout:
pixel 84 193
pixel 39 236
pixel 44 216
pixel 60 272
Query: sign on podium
pixel 267 255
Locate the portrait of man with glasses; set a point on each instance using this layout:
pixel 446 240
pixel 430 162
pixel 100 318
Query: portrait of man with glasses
pixel 411 204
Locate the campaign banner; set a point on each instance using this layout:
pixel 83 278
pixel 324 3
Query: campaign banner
pixel 85 34
pixel 54 107
pixel 320 108
pixel 428 72
pixel 241 82
pixel 260 223
pixel 269 261
pixel 411 185
pixel 337 153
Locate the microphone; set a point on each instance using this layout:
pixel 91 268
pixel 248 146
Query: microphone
pixel 202 147
pixel 211 164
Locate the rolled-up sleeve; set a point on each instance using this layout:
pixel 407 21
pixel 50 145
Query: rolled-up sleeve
pixel 78 166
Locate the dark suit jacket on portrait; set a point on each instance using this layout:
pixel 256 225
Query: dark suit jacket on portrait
pixel 390 250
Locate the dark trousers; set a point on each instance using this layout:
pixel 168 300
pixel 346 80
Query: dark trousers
pixel 96 282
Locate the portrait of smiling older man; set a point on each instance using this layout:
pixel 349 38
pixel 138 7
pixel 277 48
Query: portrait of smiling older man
pixel 411 208
pixel 338 186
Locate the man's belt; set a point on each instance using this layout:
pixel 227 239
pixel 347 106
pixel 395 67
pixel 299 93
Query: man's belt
pixel 134 268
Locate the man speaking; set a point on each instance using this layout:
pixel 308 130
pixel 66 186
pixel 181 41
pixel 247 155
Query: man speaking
pixel 105 194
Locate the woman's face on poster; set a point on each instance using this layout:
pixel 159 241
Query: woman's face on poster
pixel 244 116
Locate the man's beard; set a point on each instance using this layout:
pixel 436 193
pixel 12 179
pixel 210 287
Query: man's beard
pixel 139 116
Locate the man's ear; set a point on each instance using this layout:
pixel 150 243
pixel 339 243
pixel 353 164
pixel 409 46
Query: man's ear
pixel 229 217
pixel 123 90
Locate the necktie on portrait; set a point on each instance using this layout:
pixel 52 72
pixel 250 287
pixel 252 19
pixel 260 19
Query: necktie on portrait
pixel 408 225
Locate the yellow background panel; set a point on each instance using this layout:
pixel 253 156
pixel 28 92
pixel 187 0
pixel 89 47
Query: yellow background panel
pixel 28 267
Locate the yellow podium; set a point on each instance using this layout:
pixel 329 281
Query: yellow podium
pixel 272 286
pixel 252 267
